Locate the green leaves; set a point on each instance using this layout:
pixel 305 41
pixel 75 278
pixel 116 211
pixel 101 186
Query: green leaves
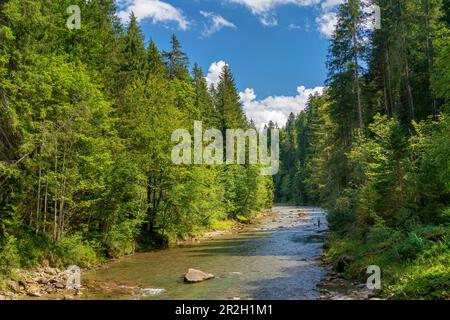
pixel 85 126
pixel 384 183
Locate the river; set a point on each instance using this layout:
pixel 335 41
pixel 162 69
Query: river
pixel 278 258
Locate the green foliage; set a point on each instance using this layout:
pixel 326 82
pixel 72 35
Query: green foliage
pixel 432 187
pixel 374 149
pixel 9 255
pixel 120 240
pixel 414 265
pixel 410 247
pixel 33 249
pixel 86 118
pixel 441 71
pixel 428 277
pixel 342 216
pixel 73 250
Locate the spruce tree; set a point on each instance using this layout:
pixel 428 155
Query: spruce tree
pixel 177 61
pixel 228 103
pixel 134 53
pixel 203 99
pixel 155 61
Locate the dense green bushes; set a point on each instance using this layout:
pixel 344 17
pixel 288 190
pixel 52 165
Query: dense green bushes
pixel 74 250
pixel 427 276
pixel 414 265
pixel 9 256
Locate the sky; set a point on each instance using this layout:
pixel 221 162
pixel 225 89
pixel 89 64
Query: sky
pixel 276 49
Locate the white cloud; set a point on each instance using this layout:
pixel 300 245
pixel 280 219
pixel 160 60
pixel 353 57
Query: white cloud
pixel 294 26
pixel 155 10
pixel 327 23
pixel 268 20
pixel 217 23
pixel 214 72
pixel 247 96
pixel 264 8
pixel 275 108
pixel 328 20
pixel 329 4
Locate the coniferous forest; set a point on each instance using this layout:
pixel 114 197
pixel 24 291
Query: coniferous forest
pixel 375 148
pixel 86 119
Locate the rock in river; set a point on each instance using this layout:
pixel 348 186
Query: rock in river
pixel 194 276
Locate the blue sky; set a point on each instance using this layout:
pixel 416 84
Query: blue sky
pixel 275 48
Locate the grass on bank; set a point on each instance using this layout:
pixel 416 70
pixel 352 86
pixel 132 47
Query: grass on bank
pixel 414 265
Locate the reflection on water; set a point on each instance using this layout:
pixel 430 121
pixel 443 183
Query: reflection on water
pixel 277 262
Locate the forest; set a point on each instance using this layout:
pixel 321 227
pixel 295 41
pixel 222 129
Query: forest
pixel 86 118
pixel 85 140
pixel 374 149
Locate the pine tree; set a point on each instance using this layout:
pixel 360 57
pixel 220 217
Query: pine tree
pixel 344 62
pixel 155 61
pixel 228 103
pixel 134 53
pixel 177 61
pixel 203 100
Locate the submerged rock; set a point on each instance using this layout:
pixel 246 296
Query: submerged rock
pixel 194 276
pixel 148 292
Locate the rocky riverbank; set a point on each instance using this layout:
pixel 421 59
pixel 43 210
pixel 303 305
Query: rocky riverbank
pixel 237 227
pixel 46 282
pixel 296 229
pixel 334 287
pixel 42 281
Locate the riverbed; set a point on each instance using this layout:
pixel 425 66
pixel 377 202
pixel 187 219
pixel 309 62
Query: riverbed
pixel 277 258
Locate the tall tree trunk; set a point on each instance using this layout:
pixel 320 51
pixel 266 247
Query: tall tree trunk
pixel 408 83
pixel 357 85
pixel 45 204
pixel 406 63
pixel 151 203
pixel 61 210
pixel 38 207
pixel 61 202
pixel 55 212
pixel 389 81
pixel 429 42
pixel 385 95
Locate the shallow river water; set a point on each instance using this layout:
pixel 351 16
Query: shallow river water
pixel 278 258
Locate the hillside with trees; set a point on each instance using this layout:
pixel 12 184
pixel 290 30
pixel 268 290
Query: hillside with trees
pixel 86 119
pixel 375 148
pixel 85 140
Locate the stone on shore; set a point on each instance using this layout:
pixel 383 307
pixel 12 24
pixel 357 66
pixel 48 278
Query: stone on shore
pixel 13 286
pixel 34 291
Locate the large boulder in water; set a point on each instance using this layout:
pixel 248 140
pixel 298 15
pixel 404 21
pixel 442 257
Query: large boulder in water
pixel 195 276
